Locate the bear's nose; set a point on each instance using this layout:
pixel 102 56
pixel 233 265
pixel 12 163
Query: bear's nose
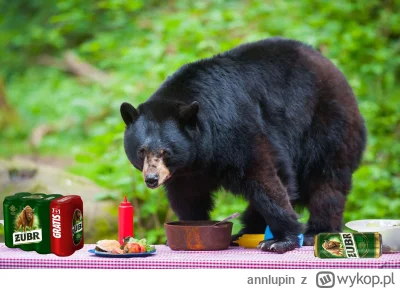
pixel 151 180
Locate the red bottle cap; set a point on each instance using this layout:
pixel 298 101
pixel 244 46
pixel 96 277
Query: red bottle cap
pixel 125 202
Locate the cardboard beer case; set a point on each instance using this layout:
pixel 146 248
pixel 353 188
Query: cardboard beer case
pixel 44 223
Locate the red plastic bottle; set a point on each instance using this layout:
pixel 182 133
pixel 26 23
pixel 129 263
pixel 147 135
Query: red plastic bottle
pixel 125 220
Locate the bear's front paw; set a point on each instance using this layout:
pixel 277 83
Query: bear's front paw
pixel 282 246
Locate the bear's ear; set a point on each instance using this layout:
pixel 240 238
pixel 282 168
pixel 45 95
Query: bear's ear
pixel 189 112
pixel 129 113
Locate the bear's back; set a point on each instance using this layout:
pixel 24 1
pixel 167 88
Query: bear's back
pixel 271 49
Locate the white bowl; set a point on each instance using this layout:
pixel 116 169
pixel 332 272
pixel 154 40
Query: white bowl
pixel 389 229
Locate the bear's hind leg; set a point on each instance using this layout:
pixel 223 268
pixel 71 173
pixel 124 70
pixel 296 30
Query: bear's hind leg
pixel 326 205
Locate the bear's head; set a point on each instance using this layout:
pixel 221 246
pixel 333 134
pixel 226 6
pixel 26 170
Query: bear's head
pixel 160 138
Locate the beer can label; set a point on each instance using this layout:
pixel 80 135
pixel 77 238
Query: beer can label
pixel 77 227
pixel 348 245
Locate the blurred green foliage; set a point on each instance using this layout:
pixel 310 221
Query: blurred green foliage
pixel 139 43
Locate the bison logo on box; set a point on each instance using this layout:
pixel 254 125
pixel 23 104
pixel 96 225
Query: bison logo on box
pixel 25 219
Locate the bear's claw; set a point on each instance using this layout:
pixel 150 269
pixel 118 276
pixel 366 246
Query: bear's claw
pixel 287 244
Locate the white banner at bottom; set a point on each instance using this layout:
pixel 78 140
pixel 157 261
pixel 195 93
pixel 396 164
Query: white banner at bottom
pixel 207 278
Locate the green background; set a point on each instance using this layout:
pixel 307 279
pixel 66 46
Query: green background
pixel 139 43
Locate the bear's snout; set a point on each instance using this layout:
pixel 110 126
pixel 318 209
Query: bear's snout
pixel 155 172
pixel 151 180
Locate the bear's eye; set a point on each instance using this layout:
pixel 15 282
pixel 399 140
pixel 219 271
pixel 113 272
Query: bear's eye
pixel 141 153
pixel 166 153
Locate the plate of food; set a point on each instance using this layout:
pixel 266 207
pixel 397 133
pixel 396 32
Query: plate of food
pixel 131 248
pixel 389 229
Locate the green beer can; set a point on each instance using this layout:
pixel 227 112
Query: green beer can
pixel 10 211
pixel 348 245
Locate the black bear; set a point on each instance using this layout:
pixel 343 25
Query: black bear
pixel 273 121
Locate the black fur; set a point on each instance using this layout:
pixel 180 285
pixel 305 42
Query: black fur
pixel 273 121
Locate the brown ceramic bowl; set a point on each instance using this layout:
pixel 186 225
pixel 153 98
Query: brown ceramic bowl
pixel 198 235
